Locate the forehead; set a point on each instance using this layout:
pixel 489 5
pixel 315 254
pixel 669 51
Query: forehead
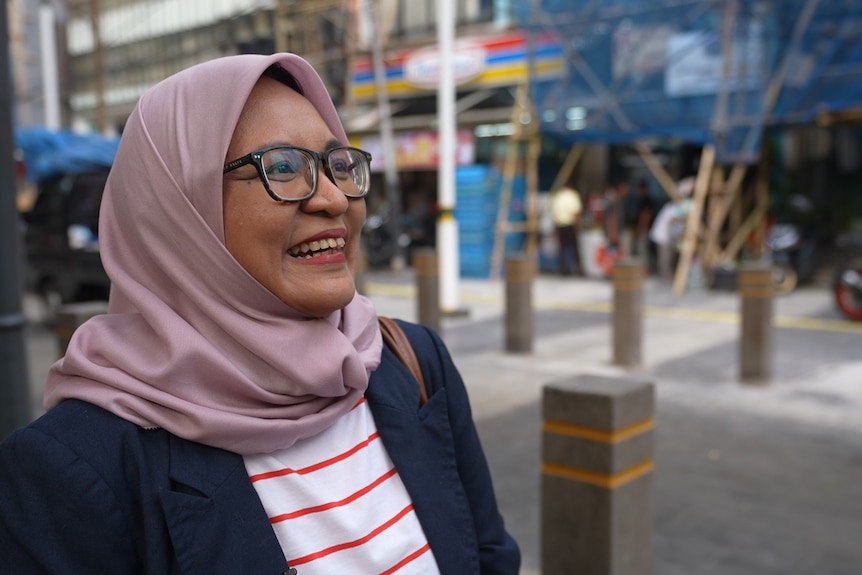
pixel 276 114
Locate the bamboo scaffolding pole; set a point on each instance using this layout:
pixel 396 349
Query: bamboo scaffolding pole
pixel 730 192
pixel 692 227
pixel 658 171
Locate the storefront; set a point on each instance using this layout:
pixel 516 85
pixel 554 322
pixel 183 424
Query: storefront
pixel 488 71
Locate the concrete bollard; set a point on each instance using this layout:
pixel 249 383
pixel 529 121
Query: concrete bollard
pixel 360 271
pixel 628 313
pixel 427 287
pixel 755 341
pixel 70 316
pixel 597 476
pixel 519 304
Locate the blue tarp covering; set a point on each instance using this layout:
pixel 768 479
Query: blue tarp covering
pixel 702 71
pixel 50 153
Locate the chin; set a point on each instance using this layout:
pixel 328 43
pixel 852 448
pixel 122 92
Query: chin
pixel 323 305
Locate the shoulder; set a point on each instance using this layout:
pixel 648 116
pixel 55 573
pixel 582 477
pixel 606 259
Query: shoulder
pixel 433 356
pixel 81 426
pixel 85 439
pixel 438 369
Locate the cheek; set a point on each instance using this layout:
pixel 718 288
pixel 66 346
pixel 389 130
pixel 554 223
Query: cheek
pixel 248 226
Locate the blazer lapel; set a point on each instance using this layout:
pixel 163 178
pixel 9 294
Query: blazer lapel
pixel 420 444
pixel 215 519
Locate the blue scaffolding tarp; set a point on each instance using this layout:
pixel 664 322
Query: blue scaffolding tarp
pixel 51 153
pixel 702 71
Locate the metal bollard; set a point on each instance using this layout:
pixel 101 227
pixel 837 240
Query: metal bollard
pixel 755 349
pixel 597 476
pixel 628 313
pixel 427 287
pixel 519 304
pixel 70 316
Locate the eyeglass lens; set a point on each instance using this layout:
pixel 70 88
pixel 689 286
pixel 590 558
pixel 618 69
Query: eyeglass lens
pixel 290 171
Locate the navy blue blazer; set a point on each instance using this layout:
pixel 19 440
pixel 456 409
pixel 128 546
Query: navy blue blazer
pixel 83 491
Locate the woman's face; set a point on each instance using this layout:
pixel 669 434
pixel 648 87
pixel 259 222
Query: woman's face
pixel 263 235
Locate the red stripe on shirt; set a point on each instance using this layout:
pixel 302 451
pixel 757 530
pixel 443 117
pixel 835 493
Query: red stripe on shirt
pixel 412 557
pixel 350 544
pixel 316 466
pixel 333 504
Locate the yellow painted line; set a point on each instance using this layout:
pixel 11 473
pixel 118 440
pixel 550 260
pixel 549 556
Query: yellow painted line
pixel 397 290
pixel 818 324
pixel 609 481
pixel 706 315
pixel 593 434
pixel 689 314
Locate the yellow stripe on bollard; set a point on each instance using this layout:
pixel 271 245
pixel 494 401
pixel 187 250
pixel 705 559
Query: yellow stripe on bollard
pixel 756 291
pixel 756 283
pixel 594 434
pixel 608 481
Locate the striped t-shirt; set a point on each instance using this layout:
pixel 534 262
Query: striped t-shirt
pixel 337 504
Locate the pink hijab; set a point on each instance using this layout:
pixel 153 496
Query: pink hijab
pixel 192 343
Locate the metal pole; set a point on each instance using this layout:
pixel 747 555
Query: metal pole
pixel 14 393
pixel 99 66
pixel 390 155
pixel 447 226
pixel 50 82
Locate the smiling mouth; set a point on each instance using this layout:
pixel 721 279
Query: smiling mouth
pixel 317 248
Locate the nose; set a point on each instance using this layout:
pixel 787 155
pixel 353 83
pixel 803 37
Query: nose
pixel 328 197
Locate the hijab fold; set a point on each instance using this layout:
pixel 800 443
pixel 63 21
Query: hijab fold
pixel 191 342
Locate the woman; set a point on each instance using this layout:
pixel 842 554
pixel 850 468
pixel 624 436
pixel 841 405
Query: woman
pixel 236 410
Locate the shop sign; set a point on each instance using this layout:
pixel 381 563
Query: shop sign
pixel 479 62
pixel 422 67
pixel 418 150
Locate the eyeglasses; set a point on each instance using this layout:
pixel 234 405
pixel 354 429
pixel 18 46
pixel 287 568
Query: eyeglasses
pixel 290 174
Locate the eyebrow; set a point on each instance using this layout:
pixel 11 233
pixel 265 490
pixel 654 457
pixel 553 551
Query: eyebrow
pixel 330 144
pixel 333 143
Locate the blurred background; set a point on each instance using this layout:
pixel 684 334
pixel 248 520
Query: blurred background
pixel 714 133
pixel 758 102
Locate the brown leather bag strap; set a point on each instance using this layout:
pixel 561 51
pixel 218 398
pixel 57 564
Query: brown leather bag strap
pixel 397 341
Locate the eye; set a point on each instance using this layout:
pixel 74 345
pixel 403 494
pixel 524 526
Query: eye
pixel 283 164
pixel 341 165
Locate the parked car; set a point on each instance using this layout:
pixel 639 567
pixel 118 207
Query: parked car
pixel 61 241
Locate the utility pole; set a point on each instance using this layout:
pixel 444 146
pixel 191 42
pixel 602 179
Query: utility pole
pixel 99 66
pixel 447 226
pixel 14 392
pixel 393 192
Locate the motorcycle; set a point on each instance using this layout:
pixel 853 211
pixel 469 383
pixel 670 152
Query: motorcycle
pixel 847 282
pixel 378 235
pixel 792 249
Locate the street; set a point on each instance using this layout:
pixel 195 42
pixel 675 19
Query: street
pixel 750 480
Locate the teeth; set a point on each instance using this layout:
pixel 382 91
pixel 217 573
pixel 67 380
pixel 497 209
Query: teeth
pixel 317 247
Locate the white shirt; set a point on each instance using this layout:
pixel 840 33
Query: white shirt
pixel 337 503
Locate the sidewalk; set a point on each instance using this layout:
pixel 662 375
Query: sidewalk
pixel 750 480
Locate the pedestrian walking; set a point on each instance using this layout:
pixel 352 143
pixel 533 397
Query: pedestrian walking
pixel 566 211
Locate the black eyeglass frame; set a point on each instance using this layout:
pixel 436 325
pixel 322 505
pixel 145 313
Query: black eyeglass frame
pixel 256 157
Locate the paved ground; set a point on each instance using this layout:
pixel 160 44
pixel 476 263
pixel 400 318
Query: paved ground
pixel 749 480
